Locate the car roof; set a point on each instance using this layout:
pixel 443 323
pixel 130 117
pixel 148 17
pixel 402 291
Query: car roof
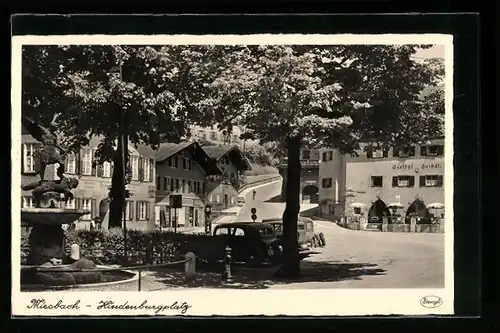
pixel 281 221
pixel 242 224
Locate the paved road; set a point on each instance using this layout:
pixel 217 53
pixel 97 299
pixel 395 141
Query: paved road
pixel 364 259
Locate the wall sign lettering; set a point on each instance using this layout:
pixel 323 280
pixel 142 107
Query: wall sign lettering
pixel 408 166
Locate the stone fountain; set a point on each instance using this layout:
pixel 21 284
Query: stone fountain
pixel 47 243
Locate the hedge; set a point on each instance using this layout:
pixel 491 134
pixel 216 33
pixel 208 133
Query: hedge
pixel 144 247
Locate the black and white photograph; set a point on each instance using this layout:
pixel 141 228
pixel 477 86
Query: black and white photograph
pixel 195 168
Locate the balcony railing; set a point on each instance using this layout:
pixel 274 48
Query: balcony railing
pixel 303 163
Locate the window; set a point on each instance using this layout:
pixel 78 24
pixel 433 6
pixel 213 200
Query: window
pixel 357 210
pixel 106 169
pixel 86 161
pixel 432 150
pixel 171 184
pixel 129 210
pixel 70 204
pixel 306 154
pixel 184 186
pixel 186 163
pixel 210 198
pixel 202 135
pixel 231 200
pixel 198 187
pixel 147 169
pixel 176 162
pixel 327 156
pixel 213 135
pixel 403 181
pixel 331 209
pixel 376 153
pixel 190 186
pixel 157 213
pixel 404 152
pixel 222 231
pixel 87 205
pixel 326 182
pixel 134 160
pixel 70 166
pixel 377 181
pixel 28 156
pixel 202 187
pixel 142 207
pixel 238 232
pixel 158 183
pixel 431 181
pixel 217 198
pixel 27 202
pixel 169 162
pixel 177 184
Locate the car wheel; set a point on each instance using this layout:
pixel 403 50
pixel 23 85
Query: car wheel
pixel 314 241
pixel 322 239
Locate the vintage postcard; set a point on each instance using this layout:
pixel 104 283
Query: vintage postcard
pixel 178 175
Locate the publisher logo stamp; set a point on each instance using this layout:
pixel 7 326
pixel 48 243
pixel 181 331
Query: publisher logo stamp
pixel 431 301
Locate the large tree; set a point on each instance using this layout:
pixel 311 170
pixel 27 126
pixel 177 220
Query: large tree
pixel 138 94
pixel 325 96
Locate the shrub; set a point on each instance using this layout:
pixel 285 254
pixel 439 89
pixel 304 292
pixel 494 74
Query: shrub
pixel 107 247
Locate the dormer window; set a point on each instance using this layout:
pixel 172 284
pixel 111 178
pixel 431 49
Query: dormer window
pixel 404 152
pixel 376 153
pixel 432 150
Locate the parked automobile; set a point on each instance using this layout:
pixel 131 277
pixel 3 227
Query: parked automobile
pixel 306 236
pixel 241 200
pixel 252 244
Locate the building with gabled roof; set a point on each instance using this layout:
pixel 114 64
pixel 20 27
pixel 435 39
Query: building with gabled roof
pixel 182 168
pixel 222 191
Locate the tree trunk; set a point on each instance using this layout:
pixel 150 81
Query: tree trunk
pixel 291 259
pixel 117 192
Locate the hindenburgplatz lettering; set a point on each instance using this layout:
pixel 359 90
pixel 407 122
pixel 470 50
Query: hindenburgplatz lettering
pixel 157 308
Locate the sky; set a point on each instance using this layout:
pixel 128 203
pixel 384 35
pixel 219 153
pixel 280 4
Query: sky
pixel 437 51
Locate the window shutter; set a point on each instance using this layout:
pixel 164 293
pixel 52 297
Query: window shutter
pixel 138 210
pixel 440 180
pixel 100 170
pixel 94 162
pixel 369 153
pixel 94 208
pixel 78 203
pixel 395 181
pixel 111 169
pixel 147 210
pixel 151 169
pixel 141 168
pixel 395 152
pixel 423 151
pixel 440 150
pixel 385 153
pixel 78 158
pixel 324 156
pixel 130 210
pixel 412 181
pixel 23 170
pixel 422 181
pixel 36 158
pixel 412 151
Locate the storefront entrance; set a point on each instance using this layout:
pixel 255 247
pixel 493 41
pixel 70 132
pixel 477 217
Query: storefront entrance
pixel 310 194
pixel 377 211
pixel 418 209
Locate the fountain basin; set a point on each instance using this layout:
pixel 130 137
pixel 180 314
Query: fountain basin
pixel 51 216
pixel 108 278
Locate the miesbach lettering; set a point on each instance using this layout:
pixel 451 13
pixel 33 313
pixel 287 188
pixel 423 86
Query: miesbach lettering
pixel 41 304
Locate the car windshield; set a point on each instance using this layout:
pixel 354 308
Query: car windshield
pixel 266 231
pixel 222 231
pixel 301 226
pixel 310 225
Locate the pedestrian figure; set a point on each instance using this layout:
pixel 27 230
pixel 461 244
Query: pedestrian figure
pixel 254 193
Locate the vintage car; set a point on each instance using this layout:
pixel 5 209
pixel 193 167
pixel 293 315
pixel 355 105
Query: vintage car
pixel 306 236
pixel 252 244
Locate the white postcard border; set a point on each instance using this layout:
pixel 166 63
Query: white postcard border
pixel 207 302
